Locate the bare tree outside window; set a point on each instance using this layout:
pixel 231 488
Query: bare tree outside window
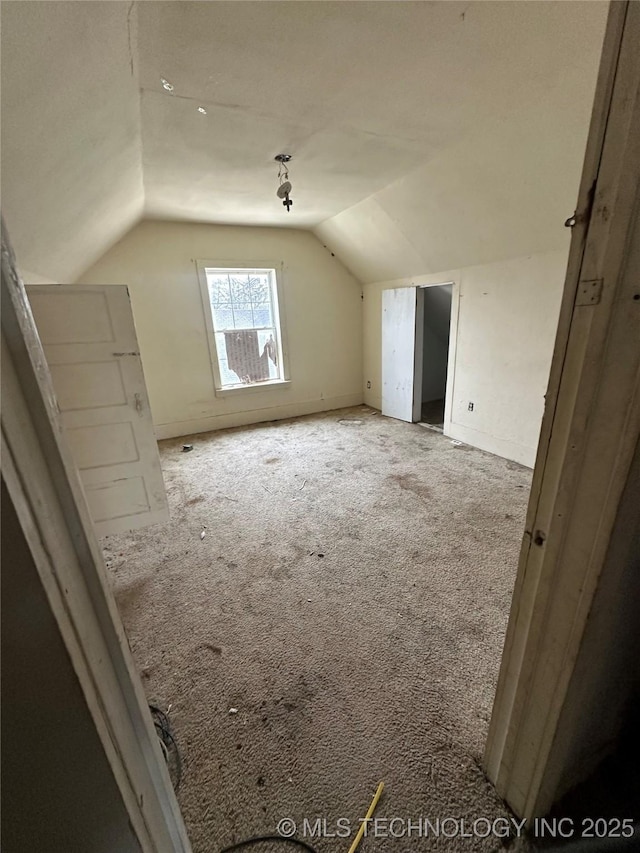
pixel 246 325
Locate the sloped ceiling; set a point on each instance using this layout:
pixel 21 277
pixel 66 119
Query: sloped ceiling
pixel 362 94
pixel 71 143
pixel 504 191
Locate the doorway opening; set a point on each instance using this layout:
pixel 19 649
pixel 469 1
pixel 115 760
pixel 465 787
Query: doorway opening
pixel 419 330
pixel 433 329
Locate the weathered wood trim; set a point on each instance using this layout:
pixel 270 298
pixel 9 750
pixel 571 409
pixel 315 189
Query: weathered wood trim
pixel 45 489
pixel 589 432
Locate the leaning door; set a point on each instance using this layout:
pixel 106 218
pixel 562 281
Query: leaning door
pixel 398 352
pixel 89 339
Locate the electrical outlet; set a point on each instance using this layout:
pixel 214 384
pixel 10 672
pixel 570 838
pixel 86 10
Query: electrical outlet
pixel 369 384
pixel 470 407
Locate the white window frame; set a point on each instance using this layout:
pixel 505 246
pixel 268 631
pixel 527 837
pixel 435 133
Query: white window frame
pixel 278 304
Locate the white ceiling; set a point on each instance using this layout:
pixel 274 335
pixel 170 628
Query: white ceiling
pixel 360 93
pixel 71 150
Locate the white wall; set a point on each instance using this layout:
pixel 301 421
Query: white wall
pixel 322 310
pixel 506 315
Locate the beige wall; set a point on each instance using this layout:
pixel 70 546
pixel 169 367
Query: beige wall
pixel 506 315
pixel 322 312
pixel 33 278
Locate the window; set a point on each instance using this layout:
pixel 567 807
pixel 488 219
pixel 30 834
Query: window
pixel 245 326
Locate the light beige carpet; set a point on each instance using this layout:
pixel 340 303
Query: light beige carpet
pixel 349 599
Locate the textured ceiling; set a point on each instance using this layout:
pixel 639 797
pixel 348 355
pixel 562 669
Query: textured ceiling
pixel 360 93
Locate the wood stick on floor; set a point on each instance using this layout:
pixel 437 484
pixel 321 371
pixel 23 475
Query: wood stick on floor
pixel 367 818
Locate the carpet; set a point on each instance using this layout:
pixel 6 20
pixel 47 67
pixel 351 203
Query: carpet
pixel 341 622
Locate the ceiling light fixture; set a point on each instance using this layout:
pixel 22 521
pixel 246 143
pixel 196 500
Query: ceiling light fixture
pixel 202 110
pixel 166 85
pixel 284 188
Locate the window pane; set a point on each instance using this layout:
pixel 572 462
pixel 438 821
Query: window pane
pixel 227 376
pixel 262 316
pixel 222 318
pixel 245 326
pixel 243 316
pixel 240 290
pixel 269 351
pixel 219 289
pixel 259 287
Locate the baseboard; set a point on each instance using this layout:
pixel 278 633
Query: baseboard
pixel 474 438
pixel 499 447
pixel 179 429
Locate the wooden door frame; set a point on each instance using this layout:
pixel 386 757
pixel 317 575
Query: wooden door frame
pixel 45 489
pixel 589 432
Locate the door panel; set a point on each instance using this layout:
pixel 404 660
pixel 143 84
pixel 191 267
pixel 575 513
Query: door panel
pixel 88 386
pixel 89 339
pixel 398 352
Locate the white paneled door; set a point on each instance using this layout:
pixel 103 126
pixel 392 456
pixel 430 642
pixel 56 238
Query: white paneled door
pixel 398 352
pixel 89 339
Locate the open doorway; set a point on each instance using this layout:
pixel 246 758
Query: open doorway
pixel 418 343
pixel 433 327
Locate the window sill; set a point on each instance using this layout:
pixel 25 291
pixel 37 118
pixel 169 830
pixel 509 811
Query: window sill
pixel 247 389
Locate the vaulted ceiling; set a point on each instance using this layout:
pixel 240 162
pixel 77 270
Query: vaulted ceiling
pixel 362 94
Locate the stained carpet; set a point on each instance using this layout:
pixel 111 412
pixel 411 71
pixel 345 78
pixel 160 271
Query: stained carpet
pixel 349 600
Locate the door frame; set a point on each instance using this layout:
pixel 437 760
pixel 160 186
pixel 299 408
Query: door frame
pixel 45 489
pixel 589 433
pixel 451 355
